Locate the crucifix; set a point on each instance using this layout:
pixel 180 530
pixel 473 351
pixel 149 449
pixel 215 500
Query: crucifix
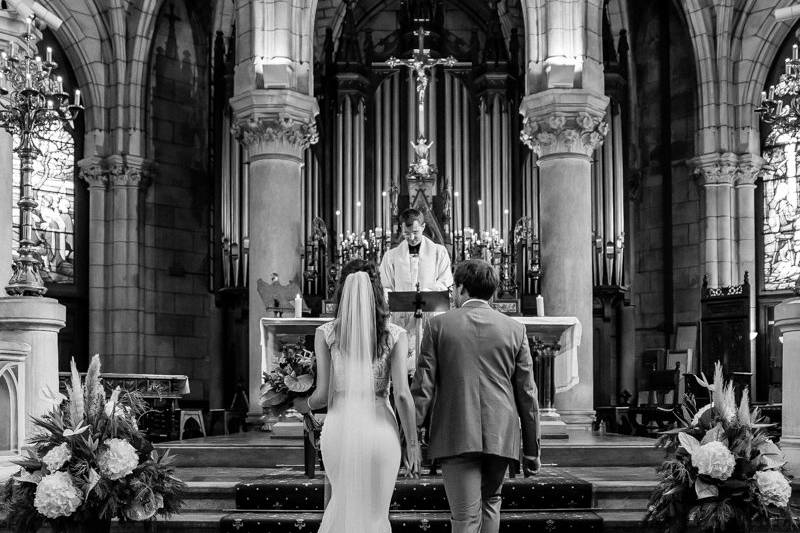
pixel 422 174
pixel 421 63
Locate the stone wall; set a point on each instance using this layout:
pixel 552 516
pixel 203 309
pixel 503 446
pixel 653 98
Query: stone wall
pixel 181 328
pixel 648 284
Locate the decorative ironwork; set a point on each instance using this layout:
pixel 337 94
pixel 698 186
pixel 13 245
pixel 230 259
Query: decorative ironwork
pixel 732 290
pixel 33 107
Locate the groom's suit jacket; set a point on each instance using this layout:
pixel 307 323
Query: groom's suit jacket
pixel 475 379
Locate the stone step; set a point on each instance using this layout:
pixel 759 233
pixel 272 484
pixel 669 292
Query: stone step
pixel 266 452
pixel 553 488
pixel 280 522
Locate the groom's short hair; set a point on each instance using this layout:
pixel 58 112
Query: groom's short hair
pixel 410 215
pixel 478 277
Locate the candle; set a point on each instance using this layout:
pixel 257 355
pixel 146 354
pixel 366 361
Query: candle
pixel 788 66
pixel 298 306
pixel 13 49
pixel 794 52
pixel 28 23
pixel 49 104
pixel 763 97
pixel 49 55
pixel 771 92
pixel 59 87
pixel 27 81
pixel 539 305
pixel 480 214
pixel 77 97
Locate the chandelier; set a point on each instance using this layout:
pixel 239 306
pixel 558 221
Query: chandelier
pixel 780 107
pixel 33 105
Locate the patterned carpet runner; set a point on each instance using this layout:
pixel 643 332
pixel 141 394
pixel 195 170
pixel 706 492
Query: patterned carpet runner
pixel 552 502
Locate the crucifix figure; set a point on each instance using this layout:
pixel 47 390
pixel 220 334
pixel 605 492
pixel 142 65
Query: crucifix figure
pixel 421 63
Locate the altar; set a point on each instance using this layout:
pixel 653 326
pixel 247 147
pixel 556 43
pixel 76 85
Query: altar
pixel 554 346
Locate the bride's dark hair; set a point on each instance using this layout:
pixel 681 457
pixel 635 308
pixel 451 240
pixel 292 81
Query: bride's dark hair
pixel 381 306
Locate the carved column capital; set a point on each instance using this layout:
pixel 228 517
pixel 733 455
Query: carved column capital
pixel 129 171
pixel 275 122
pixel 92 172
pixel 750 166
pixel 727 169
pixel 563 122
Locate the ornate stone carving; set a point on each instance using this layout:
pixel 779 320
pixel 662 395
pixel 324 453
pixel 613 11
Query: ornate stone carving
pixel 727 169
pixel 578 133
pixel 126 171
pixel 93 174
pixel 283 131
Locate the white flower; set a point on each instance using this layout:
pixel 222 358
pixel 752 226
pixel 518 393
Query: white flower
pixel 773 488
pixel 57 496
pixel 714 459
pixel 55 458
pixel 118 459
pixel 698 414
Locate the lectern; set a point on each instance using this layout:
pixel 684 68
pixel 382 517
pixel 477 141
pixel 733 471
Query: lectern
pixel 419 302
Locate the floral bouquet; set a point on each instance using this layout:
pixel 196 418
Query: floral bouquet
pixel 292 377
pixel 726 473
pixel 89 463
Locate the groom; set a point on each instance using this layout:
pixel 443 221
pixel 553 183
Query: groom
pixel 475 380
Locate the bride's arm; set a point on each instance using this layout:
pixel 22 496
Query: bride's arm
pixel 319 399
pixel 404 402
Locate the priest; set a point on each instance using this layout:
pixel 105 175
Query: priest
pixel 417 259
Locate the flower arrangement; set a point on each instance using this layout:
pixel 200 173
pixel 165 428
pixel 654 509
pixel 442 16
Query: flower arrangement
pixel 293 377
pixel 725 473
pixel 89 463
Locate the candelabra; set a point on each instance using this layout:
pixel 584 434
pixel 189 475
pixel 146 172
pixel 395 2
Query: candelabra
pixel 781 106
pixel 33 104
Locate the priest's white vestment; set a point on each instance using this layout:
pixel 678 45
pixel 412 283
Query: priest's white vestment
pixel 401 271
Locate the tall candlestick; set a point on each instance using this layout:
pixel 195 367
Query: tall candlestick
pixel 539 305
pixel 480 215
pixel 794 52
pixel 28 23
pixel 77 97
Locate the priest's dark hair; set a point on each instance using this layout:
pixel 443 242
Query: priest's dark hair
pixel 478 277
pixel 408 217
pixel 381 306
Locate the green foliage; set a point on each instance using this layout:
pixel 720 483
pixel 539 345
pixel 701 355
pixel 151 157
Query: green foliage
pixel 717 499
pixel 85 422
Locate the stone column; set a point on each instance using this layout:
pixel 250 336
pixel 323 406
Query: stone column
pixel 126 176
pixel 276 126
pixel 35 321
pixel 719 172
pixel 564 127
pixel 787 318
pixel 745 189
pixel 97 181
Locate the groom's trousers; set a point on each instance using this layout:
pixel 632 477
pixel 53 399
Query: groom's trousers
pixel 473 483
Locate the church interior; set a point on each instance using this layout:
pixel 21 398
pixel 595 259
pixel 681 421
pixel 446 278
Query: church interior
pixel 625 165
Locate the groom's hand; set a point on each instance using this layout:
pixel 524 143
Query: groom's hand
pixel 531 465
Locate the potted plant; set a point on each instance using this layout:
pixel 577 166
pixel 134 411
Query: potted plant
pixel 724 473
pixel 89 463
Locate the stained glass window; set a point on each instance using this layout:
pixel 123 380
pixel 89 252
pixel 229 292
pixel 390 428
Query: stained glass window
pixel 53 183
pixel 781 215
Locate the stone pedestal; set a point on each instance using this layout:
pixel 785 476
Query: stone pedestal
pixel 34 321
pixel 787 318
pixel 276 126
pixel 564 127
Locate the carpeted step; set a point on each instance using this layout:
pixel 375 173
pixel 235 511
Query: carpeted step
pixel 539 521
pixel 548 490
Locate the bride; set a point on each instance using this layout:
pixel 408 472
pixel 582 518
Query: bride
pixel 359 354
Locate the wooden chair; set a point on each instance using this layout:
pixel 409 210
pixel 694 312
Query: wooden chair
pixel 659 413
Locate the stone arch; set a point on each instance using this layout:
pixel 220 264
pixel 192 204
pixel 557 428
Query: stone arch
pixel 82 37
pixel 761 39
pixel 10 403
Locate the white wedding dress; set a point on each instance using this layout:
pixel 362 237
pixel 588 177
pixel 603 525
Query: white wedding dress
pixel 360 440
